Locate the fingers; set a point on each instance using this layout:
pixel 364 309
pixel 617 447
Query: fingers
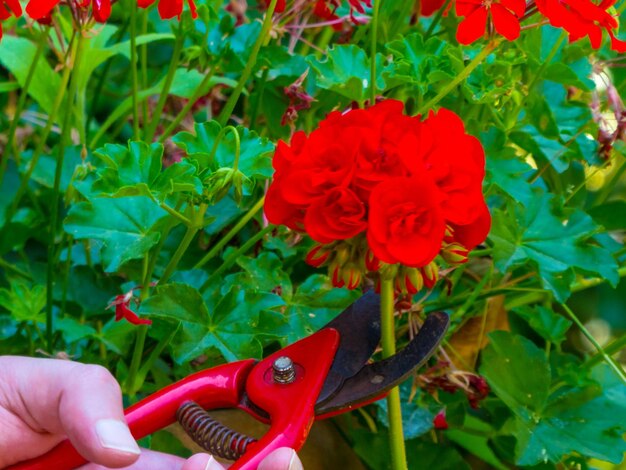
pixel 83 402
pixel 151 460
pixel 282 459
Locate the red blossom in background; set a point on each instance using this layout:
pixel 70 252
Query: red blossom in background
pixel 169 8
pixel 40 10
pixel 374 185
pixel 123 311
pixel 583 18
pixel 505 15
pixel 9 8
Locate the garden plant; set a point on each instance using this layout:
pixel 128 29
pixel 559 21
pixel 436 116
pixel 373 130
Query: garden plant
pixel 187 184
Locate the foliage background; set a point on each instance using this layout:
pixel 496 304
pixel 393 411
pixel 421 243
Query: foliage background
pixel 231 287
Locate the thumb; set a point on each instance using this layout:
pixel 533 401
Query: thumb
pixel 282 459
pixel 83 402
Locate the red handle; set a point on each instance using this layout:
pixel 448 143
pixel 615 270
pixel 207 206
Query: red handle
pixel 219 387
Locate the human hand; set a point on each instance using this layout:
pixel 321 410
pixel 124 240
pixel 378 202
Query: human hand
pixel 44 401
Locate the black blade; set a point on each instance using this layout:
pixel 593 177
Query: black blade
pixel 359 330
pixel 376 378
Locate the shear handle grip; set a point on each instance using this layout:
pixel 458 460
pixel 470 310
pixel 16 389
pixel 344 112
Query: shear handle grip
pixel 219 387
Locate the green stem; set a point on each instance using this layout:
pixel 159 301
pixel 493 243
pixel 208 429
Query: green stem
pixel 11 267
pixel 607 358
pixel 197 219
pixel 231 233
pixel 374 26
pixel 469 68
pixel 133 68
pixel 56 199
pixel 234 97
pixel 228 262
pixel 144 65
pixel 167 85
pixel 259 99
pixel 140 342
pixel 21 104
pixel 614 347
pixel 187 108
pixel 394 410
pixel 174 213
pixel 56 106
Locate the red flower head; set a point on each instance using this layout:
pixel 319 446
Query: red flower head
pixel 505 15
pixel 170 8
pixel 9 8
pixel 374 185
pixel 582 18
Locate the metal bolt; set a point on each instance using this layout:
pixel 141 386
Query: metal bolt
pixel 283 370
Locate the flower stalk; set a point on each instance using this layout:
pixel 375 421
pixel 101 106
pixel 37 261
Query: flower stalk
pixel 394 410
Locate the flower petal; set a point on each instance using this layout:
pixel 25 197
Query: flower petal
pixel 472 27
pixel 505 22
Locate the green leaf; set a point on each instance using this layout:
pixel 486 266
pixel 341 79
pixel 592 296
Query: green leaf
pixel 261 274
pixel 414 59
pixel 518 373
pixel 73 330
pixel 346 70
pixel 254 159
pixel 416 419
pixel 25 302
pixel 611 215
pixel 229 328
pixel 551 326
pixel 135 169
pixel 8 189
pixel 590 424
pixel 575 420
pixel 17 54
pixel 126 226
pixel 555 247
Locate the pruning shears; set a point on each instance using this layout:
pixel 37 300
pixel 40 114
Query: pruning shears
pixel 322 375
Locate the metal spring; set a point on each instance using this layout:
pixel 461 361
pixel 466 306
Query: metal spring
pixel 210 434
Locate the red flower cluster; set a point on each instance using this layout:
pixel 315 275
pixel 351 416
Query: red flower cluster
pixel 325 9
pixel 583 18
pixel 409 186
pixel 580 18
pixel 505 14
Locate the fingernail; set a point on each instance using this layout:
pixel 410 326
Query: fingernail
pixel 294 463
pixel 213 464
pixel 114 434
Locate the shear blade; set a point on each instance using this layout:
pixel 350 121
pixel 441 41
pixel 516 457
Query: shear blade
pixel 359 331
pixel 374 379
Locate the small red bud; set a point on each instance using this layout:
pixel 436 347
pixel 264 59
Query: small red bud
pixel 371 262
pixel 431 274
pixel 455 254
pixel 317 256
pixel 413 280
pixel 440 421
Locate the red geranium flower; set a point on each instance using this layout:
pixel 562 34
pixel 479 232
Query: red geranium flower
pixel 41 9
pixel 170 8
pixel 9 8
pixel 505 15
pixel 123 311
pixel 583 18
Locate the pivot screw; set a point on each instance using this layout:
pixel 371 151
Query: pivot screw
pixel 283 370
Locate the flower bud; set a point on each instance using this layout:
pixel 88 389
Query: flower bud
pixel 430 272
pixel 317 256
pixel 371 262
pixel 455 254
pixel 351 276
pixel 342 254
pixel 336 277
pixel 413 280
pixel 440 421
